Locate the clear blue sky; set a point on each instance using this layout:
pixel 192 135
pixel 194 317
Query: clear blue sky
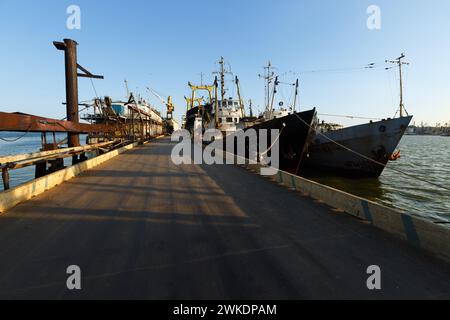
pixel 165 44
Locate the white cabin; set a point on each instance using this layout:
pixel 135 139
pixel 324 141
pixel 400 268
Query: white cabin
pixel 229 117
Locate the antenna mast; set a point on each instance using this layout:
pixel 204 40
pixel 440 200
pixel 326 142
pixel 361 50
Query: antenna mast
pixel 268 76
pixel 222 73
pixel 126 87
pixel 273 95
pixel 296 94
pixel 400 64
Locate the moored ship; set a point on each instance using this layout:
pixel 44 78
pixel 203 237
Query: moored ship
pixel 362 150
pixel 296 129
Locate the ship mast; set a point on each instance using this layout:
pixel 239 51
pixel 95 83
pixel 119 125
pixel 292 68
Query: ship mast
pixel 241 102
pixel 222 74
pixel 295 97
pixel 400 64
pixel 222 78
pixel 126 87
pixel 275 84
pixel 268 77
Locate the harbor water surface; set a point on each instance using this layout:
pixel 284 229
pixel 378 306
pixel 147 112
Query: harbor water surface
pixel 422 157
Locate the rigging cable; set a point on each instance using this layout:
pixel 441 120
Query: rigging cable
pixel 373 65
pixel 370 159
pixel 93 87
pixel 350 117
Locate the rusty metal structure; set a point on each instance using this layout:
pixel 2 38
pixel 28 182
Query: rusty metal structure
pixel 104 134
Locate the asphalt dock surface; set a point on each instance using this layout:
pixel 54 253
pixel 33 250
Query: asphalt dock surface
pixel 139 226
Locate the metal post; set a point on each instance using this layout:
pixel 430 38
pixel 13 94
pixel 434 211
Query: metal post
pixel 70 54
pixel 5 177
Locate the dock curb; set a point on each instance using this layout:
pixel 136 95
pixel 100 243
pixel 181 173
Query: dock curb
pixel 421 233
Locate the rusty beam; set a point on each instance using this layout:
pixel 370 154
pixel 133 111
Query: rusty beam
pixel 21 122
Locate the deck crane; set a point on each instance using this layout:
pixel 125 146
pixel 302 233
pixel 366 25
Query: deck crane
pixel 168 103
pixel 212 94
pixel 189 103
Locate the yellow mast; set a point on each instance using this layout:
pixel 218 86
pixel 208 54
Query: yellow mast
pixel 189 101
pixel 241 103
pixel 195 88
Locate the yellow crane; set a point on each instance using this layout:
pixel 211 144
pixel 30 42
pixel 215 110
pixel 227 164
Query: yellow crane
pixel 211 89
pixel 189 103
pixel 170 106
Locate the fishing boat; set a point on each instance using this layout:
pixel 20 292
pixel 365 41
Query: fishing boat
pixel 296 129
pixel 362 150
pixel 295 134
pixel 224 114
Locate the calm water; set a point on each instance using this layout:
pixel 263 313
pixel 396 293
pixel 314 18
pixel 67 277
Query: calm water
pixel 31 142
pixel 423 156
pixel 426 157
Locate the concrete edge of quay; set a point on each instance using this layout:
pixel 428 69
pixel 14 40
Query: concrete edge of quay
pixel 418 232
pixel 11 198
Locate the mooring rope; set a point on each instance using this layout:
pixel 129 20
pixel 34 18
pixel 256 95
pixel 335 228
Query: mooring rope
pixel 275 141
pixel 18 138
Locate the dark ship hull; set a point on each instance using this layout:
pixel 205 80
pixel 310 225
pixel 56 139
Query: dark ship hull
pixel 373 144
pixel 194 112
pixel 297 131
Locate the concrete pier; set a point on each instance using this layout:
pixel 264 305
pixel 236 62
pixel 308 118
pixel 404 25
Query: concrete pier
pixel 140 227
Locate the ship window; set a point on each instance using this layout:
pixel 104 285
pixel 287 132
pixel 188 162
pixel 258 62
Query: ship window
pixel 220 120
pixel 236 120
pixel 235 103
pixel 229 119
pixel 230 103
